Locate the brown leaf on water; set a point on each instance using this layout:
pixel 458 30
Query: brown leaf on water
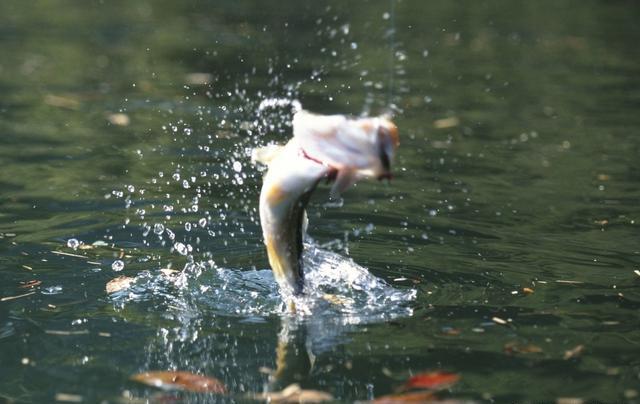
pixel 603 177
pixel 414 397
pixel 30 284
pixel 514 347
pixel 119 283
pixel 431 380
pixel 574 352
pixel 527 290
pixel 294 394
pixel 180 380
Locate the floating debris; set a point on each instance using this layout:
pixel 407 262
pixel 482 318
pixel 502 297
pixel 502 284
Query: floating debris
pixel 198 79
pixel 68 398
pixel 527 290
pixel 119 119
pixel 67 254
pixel 6 299
pixel 637 272
pixel 514 347
pixel 446 123
pixel 181 380
pixel 574 352
pixel 27 267
pixel 30 284
pixel 431 380
pixel 65 333
pixel 119 283
pixel 569 282
pixel 294 394
pixel 500 321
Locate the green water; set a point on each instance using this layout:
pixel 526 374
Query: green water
pixel 518 168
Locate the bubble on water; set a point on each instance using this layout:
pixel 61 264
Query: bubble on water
pixel 172 235
pixel 158 228
pixel 117 265
pixel 73 243
pixel 131 188
pixel 176 176
pixel 237 166
pixel 146 229
pixel 187 226
pixel 185 184
pixel 202 222
pixel 181 248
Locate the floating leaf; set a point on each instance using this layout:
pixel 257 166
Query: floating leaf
pixel 574 353
pixel 431 380
pixel 513 347
pixel 30 284
pixel 119 119
pixel 414 397
pixel 180 380
pixel 119 283
pixel 446 123
pixel 294 394
pixel 499 320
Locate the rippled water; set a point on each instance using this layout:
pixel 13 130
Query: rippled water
pixel 505 249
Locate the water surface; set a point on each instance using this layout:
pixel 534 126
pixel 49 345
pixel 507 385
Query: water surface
pixel 507 239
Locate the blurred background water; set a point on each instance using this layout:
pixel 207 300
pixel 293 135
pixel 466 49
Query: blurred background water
pixel 507 246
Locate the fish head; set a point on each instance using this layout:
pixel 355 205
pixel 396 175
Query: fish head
pixel 364 147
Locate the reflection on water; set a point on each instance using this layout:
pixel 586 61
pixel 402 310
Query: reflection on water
pixel 339 295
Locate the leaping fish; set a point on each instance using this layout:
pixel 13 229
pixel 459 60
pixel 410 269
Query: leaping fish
pixel 332 147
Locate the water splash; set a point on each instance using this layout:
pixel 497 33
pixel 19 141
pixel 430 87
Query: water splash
pixel 336 287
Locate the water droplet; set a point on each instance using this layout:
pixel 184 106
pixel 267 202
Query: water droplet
pixel 158 228
pixel 181 248
pixel 73 243
pixel 117 265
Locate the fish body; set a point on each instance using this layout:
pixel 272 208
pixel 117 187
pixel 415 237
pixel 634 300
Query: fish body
pixel 331 147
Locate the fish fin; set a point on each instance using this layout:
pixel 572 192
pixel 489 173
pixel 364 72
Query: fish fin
pixel 344 180
pixel 266 154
